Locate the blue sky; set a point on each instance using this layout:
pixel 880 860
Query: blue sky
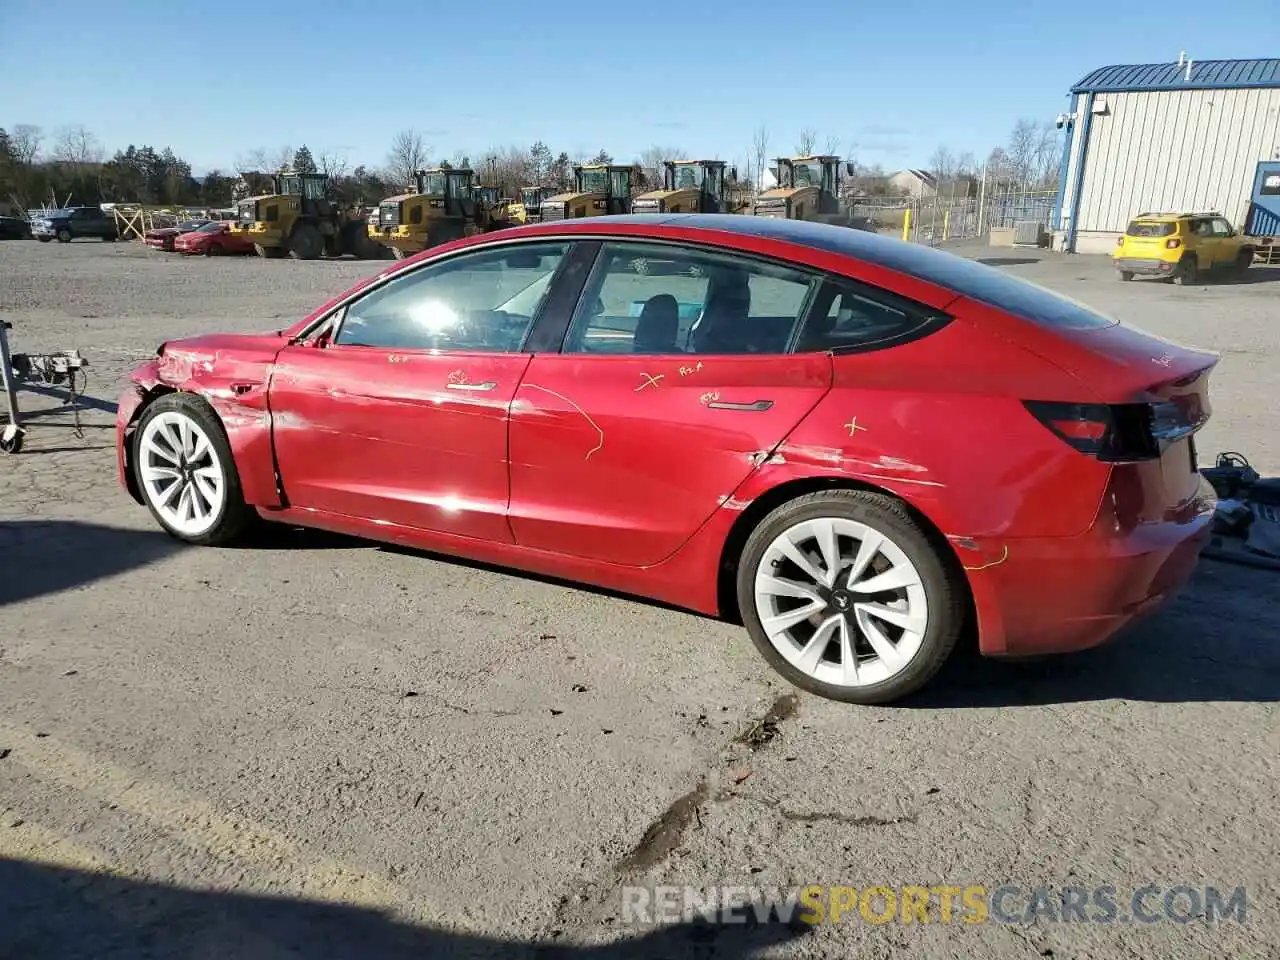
pixel 890 80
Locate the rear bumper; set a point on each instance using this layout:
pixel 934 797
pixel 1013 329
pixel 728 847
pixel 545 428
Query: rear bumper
pixel 1057 595
pixel 1149 267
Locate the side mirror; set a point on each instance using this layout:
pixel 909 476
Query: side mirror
pixel 849 171
pixel 733 173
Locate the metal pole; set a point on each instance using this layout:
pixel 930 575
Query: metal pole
pixel 14 429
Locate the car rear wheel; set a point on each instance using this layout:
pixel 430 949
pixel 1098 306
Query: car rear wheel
pixel 213 250
pixel 1126 275
pixel 1243 262
pixel 64 236
pixel 186 472
pixel 848 597
pixel 1186 271
pixel 44 239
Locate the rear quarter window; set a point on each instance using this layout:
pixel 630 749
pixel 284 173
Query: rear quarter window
pixel 1142 228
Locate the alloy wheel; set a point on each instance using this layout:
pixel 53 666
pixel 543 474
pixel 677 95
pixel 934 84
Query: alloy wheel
pixel 841 602
pixel 181 473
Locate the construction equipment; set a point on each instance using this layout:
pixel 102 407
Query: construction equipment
pixel 48 369
pixel 493 210
pixel 599 189
pixel 299 219
pixel 442 207
pixel 688 186
pixel 808 188
pixel 529 208
pixel 1262 220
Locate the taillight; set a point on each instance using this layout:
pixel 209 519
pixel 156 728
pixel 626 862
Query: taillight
pixel 1173 244
pixel 1119 432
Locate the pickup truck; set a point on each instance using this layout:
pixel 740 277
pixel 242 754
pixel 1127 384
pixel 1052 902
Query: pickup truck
pixel 67 225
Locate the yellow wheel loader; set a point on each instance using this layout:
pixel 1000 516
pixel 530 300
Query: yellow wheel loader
pixel 493 210
pixel 299 219
pixel 808 188
pixel 529 207
pixel 688 186
pixel 442 207
pixel 599 189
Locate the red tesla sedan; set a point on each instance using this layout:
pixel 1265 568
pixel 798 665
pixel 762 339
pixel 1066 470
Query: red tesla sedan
pixel 214 239
pixel 861 448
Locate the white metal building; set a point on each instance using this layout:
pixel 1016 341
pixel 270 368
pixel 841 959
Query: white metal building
pixel 1185 136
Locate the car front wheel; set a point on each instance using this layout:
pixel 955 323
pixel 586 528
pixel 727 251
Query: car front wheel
pixel 848 597
pixel 186 472
pixel 64 236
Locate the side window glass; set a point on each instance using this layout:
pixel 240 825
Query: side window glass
pixel 657 299
pixel 850 316
pixel 1221 228
pixel 474 302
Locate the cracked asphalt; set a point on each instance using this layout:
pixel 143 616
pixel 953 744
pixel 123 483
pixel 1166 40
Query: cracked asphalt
pixel 320 747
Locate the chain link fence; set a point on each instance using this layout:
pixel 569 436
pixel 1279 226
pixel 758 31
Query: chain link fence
pixel 935 220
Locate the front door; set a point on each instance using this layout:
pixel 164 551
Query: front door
pixel 672 387
pixel 399 411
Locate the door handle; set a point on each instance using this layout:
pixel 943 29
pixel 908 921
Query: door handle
pixel 755 406
pixel 487 385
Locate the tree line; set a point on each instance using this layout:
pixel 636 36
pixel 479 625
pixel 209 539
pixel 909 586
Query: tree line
pixel 71 165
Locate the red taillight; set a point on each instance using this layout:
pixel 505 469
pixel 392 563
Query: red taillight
pixel 1119 432
pixel 1173 244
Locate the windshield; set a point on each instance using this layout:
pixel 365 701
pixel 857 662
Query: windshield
pixel 808 175
pixel 620 182
pixel 459 185
pixel 191 224
pixel 530 196
pixel 593 181
pixel 715 181
pixel 291 186
pixel 213 227
pixel 689 175
pixel 433 184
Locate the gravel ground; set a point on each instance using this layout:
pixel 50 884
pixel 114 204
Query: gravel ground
pixel 321 747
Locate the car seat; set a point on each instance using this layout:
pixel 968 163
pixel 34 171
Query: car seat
pixel 658 325
pixel 722 326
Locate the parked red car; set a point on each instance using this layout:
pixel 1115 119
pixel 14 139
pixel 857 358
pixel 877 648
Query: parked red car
pixel 213 240
pixel 162 238
pixel 860 447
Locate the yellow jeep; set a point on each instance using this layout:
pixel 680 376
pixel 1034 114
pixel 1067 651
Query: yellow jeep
pixel 1181 246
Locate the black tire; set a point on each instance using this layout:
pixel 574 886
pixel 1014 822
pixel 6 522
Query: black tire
pixel 268 253
pixel 1243 262
pixel 940 578
pixel 1187 271
pixel 213 250
pixel 64 235
pixel 1126 275
pixel 306 242
pixel 44 239
pixel 108 239
pixel 235 516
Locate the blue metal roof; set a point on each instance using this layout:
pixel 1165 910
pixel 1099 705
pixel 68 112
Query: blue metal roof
pixel 1205 75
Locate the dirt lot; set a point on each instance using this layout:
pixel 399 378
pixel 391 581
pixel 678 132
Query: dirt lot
pixel 324 748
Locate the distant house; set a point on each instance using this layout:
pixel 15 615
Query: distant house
pixel 922 184
pixel 913 183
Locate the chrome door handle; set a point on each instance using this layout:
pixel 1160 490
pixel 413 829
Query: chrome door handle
pixel 757 406
pixel 487 385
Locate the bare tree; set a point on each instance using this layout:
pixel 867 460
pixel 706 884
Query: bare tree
pixel 942 164
pixel 1022 151
pixel 831 146
pixel 650 162
pixel 282 159
pixel 1048 155
pixel 25 139
pixel 760 152
pixel 253 161
pixel 77 145
pixel 408 155
pixel 807 142
pixel 966 165
pixel 333 165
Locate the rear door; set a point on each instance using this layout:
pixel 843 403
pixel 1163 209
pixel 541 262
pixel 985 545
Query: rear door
pixel 1146 239
pixel 672 386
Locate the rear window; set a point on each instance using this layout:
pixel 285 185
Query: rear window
pixel 968 278
pixel 1147 228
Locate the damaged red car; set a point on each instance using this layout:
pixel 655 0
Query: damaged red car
pixel 865 451
pixel 214 239
pixel 162 238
